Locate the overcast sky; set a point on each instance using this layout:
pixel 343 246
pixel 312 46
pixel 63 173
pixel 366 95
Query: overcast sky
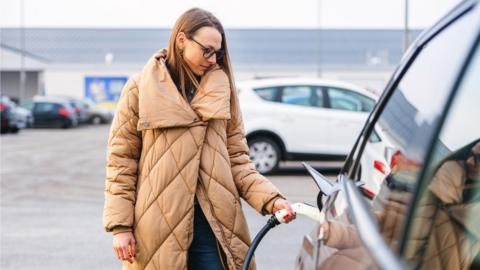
pixel 233 14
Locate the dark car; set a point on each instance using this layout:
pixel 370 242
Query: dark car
pixel 78 106
pixel 427 212
pixel 52 112
pixel 8 116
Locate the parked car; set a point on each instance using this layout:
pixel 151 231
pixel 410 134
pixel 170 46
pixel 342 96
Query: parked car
pixel 376 162
pixel 52 112
pixel 301 119
pixel 78 106
pixel 8 115
pixel 425 215
pixel 24 117
pixel 95 114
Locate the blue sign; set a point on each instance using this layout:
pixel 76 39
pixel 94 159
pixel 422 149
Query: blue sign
pixel 104 90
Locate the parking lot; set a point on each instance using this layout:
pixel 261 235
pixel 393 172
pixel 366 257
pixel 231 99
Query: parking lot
pixel 52 200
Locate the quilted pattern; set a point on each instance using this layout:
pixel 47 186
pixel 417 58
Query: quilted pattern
pixel 445 236
pixel 162 152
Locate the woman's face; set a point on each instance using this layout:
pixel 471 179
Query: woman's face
pixel 204 39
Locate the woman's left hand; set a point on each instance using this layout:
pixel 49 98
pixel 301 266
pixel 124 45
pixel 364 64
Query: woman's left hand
pixel 280 204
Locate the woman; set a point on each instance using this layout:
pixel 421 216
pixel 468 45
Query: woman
pixel 177 160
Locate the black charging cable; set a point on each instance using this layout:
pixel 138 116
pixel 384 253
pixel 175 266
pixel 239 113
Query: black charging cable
pixel 272 222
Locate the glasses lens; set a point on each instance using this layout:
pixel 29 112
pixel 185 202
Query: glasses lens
pixel 219 55
pixel 207 52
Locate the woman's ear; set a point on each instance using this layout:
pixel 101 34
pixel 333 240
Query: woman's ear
pixel 180 40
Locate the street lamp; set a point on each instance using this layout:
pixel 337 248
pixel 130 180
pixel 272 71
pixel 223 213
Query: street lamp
pixel 406 33
pixel 108 58
pixel 318 41
pixel 23 74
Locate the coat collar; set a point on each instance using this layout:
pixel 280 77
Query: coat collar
pixel 162 106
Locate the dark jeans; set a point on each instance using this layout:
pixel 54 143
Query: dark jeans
pixel 203 253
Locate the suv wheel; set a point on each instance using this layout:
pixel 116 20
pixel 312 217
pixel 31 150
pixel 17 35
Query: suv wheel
pixel 265 154
pixel 97 120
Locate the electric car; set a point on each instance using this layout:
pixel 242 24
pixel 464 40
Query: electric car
pixel 426 212
pixel 294 119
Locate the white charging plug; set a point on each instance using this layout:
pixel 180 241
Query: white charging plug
pixel 303 209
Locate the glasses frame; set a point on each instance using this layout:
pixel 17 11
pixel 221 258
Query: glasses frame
pixel 208 52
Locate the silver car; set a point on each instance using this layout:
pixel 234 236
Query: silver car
pixel 426 213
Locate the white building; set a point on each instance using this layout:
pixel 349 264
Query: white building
pixel 67 61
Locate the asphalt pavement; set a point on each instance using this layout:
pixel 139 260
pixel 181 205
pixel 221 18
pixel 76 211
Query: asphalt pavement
pixel 51 205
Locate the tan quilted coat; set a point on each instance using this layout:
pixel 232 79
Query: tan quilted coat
pixel 446 232
pixel 162 151
pixel 449 233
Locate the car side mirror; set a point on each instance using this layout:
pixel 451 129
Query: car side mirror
pixel 326 186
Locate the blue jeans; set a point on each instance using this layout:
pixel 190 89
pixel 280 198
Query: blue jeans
pixel 203 253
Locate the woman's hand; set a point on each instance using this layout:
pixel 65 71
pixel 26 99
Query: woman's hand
pixel 280 204
pixel 324 230
pixel 124 246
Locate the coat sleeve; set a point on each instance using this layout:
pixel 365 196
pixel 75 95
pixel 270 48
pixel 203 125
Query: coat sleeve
pixel 124 146
pixel 342 236
pixel 257 190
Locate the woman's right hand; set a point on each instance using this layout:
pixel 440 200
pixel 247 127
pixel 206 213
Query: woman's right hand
pixel 124 246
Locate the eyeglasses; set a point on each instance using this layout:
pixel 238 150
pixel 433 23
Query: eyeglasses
pixel 208 52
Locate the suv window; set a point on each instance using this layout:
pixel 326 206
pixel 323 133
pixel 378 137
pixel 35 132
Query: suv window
pixel 317 99
pixel 342 99
pixel 448 204
pixel 296 95
pixel 310 96
pixel 269 93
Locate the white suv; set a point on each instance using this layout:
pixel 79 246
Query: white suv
pixel 301 119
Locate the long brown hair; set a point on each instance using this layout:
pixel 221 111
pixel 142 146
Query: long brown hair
pixel 188 23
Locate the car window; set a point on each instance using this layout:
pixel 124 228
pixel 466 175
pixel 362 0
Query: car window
pixel 89 103
pixel 83 104
pixel 374 137
pixel 296 95
pixel 269 93
pixel 317 99
pixel 410 119
pixel 28 106
pixel 407 127
pixel 347 100
pixel 43 107
pixel 444 231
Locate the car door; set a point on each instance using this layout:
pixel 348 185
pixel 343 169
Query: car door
pixel 347 115
pixel 369 234
pixel 303 120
